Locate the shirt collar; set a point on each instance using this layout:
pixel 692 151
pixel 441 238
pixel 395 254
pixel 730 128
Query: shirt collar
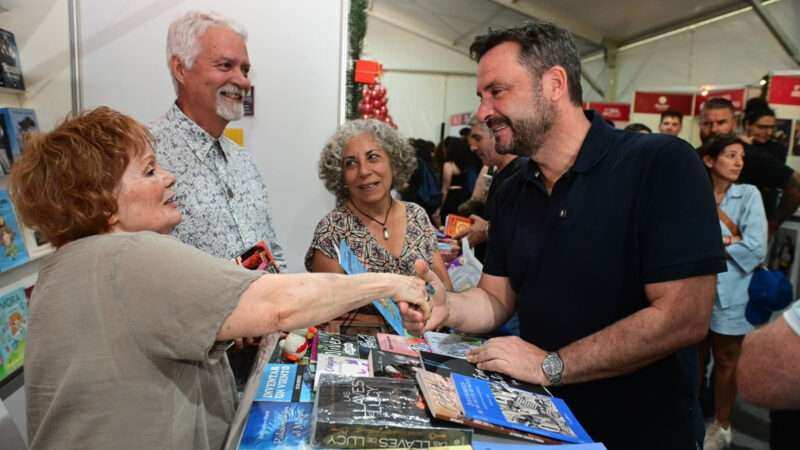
pixel 594 148
pixel 198 139
pixel 735 191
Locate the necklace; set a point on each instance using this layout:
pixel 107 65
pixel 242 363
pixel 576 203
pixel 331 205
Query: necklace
pixel 383 224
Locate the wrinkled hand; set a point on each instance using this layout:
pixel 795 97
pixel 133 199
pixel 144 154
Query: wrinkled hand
pixel 477 233
pixel 417 320
pixel 410 294
pixel 512 356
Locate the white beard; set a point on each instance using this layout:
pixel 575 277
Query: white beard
pixel 227 108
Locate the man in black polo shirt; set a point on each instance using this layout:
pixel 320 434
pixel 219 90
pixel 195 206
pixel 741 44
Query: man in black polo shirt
pixel 607 247
pixel 761 168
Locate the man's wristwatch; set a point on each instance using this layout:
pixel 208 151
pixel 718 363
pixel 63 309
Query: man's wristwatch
pixel 553 368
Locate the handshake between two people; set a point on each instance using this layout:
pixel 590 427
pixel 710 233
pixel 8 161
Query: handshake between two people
pixel 431 314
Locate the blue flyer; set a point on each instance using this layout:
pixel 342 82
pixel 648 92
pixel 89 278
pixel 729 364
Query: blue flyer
pixel 387 307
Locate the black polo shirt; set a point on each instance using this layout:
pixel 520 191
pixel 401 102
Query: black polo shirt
pixel 633 209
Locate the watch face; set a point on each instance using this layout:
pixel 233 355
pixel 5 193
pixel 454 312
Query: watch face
pixel 552 365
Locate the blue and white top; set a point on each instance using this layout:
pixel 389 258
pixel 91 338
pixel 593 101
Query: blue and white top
pixel 220 191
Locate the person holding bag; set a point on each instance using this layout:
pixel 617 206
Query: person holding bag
pixel 744 235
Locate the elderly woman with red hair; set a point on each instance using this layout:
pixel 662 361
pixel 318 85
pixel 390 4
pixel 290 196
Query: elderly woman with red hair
pixel 128 325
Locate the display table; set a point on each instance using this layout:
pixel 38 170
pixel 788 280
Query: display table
pixel 481 441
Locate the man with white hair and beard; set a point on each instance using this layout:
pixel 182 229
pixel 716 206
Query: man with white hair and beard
pixel 607 248
pixel 221 193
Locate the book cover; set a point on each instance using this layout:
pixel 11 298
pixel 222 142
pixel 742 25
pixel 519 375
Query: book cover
pixel 284 383
pixel 12 246
pixel 518 410
pixel 404 345
pixel 386 306
pixel 357 346
pixel 455 225
pixel 372 413
pixel 17 122
pixel 451 344
pixel 13 331
pixel 393 365
pixel 10 67
pixel 340 365
pixel 5 150
pixel 272 425
pixel 446 365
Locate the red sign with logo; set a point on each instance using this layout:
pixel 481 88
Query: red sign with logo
pixel 736 96
pixel 616 112
pixel 459 119
pixel 784 90
pixel 658 102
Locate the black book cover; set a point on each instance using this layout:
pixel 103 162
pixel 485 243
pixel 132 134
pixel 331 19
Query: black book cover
pixel 445 365
pixel 336 344
pixel 10 68
pixel 371 413
pixel 393 365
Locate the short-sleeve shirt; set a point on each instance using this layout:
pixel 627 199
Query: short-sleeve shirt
pixel 633 209
pixel 341 224
pixel 221 194
pixel 121 347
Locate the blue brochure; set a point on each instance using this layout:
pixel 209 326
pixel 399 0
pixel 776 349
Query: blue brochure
pixel 387 307
pixel 519 410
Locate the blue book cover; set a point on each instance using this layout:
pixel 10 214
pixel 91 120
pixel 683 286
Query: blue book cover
pixel 386 306
pixel 479 443
pixel 284 383
pixel 518 410
pixel 17 121
pixel 272 425
pixel 13 331
pixel 12 246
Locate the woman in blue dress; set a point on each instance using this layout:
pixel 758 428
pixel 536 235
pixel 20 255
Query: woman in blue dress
pixel 744 235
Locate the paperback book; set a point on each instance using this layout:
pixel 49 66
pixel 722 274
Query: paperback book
pixel 12 246
pixel 447 365
pixel 518 410
pixel 272 425
pixel 10 67
pixel 404 345
pixel 13 331
pixel 451 344
pixel 16 123
pixel 372 413
pixel 340 365
pixel 336 344
pixel 393 365
pixel 454 225
pixel 285 383
pixel 386 306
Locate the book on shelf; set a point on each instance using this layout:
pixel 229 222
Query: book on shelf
pixel 446 365
pixel 492 407
pixel 372 413
pixel 340 365
pixel 12 245
pixel 10 67
pixel 277 425
pixel 393 365
pixel 451 344
pixel 336 344
pixel 13 331
pixel 404 345
pixel 386 306
pixel 17 122
pixel 285 383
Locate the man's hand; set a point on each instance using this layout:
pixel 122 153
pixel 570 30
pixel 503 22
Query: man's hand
pixel 416 319
pixel 512 356
pixel 477 233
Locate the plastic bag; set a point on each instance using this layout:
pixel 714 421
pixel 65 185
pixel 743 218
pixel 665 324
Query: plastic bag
pixel 465 272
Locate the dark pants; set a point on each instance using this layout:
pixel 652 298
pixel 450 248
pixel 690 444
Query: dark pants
pixel 783 425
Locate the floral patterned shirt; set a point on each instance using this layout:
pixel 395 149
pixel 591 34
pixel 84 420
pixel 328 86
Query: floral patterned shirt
pixel 341 223
pixel 221 194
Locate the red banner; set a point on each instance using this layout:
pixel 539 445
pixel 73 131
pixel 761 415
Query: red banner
pixel 658 102
pixel 736 96
pixel 784 90
pixel 616 112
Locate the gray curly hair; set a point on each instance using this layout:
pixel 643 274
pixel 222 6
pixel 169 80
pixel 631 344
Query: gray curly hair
pixel 402 158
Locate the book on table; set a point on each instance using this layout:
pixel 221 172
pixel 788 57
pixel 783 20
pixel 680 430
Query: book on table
pixel 337 344
pixel 451 344
pixel 372 412
pixel 405 345
pixel 277 425
pixel 340 365
pixel 393 365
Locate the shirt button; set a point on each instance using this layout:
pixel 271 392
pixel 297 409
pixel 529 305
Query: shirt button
pixel 536 174
pixel 562 213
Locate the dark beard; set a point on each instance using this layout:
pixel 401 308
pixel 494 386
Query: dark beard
pixel 530 133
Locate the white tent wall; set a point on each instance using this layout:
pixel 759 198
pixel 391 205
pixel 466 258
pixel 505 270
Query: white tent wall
pixel 295 51
pixel 735 50
pixel 426 82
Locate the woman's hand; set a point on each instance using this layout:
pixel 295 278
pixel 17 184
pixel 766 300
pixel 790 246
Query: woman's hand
pixel 417 320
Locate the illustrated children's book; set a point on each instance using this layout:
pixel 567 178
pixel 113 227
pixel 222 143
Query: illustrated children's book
pixel 13 331
pixel 12 246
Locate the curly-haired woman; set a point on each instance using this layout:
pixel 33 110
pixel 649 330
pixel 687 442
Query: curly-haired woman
pixel 360 165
